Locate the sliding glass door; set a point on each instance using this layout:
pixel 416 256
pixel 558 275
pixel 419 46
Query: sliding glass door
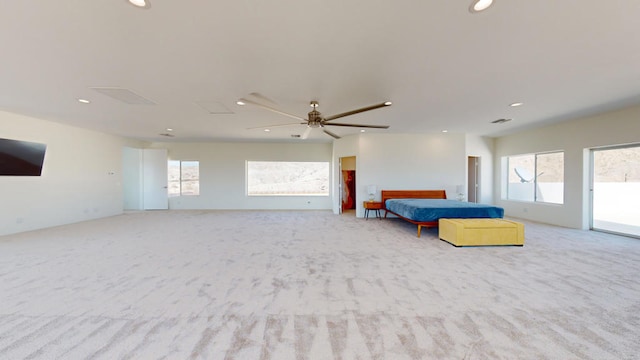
pixel 615 202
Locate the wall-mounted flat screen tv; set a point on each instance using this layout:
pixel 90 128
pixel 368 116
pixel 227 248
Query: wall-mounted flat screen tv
pixel 21 158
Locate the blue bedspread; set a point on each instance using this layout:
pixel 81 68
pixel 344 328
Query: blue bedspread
pixel 424 210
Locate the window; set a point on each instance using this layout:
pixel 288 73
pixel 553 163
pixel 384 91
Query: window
pixel 285 178
pixel 184 178
pixel 536 177
pixel 615 174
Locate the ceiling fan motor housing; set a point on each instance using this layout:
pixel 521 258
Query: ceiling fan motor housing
pixel 315 119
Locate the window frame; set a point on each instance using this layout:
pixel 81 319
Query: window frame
pixel 181 180
pixel 507 189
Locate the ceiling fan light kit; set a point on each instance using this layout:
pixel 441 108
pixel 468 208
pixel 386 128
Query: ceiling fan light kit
pixel 315 119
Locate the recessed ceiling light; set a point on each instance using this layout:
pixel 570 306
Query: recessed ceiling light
pixel 84 101
pixel 516 104
pixel 363 130
pixel 145 4
pixel 479 5
pixel 445 131
pixel 267 130
pixel 169 129
pixel 239 102
pixel 388 103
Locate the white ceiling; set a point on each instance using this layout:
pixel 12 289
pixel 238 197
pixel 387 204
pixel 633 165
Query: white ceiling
pixel 443 67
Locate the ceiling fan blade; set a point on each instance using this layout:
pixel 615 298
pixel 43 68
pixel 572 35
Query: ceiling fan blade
pixel 272 126
pixel 306 133
pixel 262 98
pixel 360 126
pixel 352 112
pixel 331 134
pixel 247 101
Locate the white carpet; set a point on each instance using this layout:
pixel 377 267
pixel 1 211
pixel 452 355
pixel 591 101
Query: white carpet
pixel 311 285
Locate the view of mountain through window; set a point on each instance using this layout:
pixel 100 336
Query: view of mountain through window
pixel 616 190
pixel 536 177
pixel 184 178
pixel 286 178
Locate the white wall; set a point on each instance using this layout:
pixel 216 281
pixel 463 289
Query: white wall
pixel 223 174
pixel 81 177
pixel 404 162
pixel 483 148
pixel 574 138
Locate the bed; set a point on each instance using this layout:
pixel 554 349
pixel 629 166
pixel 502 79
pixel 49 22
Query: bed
pixel 425 207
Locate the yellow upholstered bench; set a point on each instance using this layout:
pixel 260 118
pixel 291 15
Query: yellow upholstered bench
pixel 481 232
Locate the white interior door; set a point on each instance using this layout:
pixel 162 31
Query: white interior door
pixel 132 179
pixel 340 186
pixel 155 179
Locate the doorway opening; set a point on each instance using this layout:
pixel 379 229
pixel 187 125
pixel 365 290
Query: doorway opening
pixel 473 179
pixel 615 189
pixel 348 185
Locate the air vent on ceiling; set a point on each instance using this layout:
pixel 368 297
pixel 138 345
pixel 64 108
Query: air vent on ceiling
pixel 295 135
pixel 167 135
pixel 124 95
pixel 500 121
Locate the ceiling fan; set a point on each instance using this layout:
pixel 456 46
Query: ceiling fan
pixel 315 119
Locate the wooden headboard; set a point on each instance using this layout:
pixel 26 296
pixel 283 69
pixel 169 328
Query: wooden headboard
pixel 412 194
